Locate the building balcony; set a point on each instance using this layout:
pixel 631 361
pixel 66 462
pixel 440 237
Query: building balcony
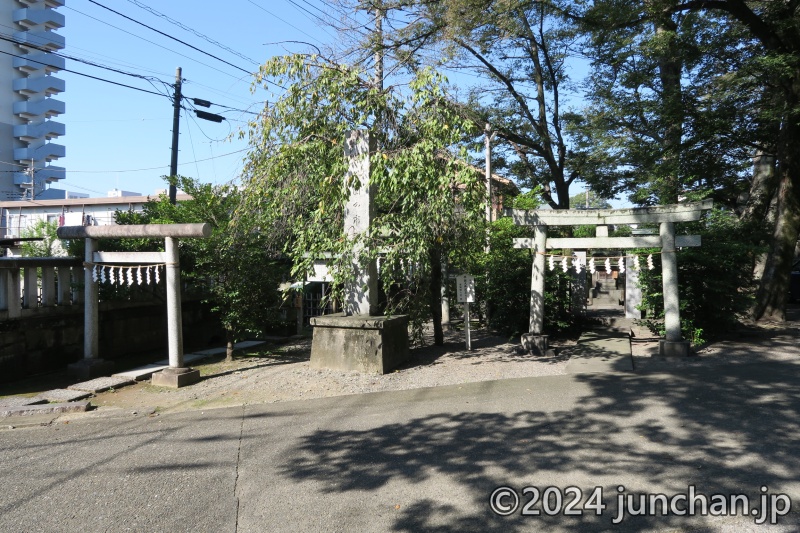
pixel 39 61
pixel 47 3
pixel 46 152
pixel 47 130
pixel 40 39
pixel 31 16
pixel 49 85
pixel 47 108
pixel 48 174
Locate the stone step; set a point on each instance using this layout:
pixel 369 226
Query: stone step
pixel 63 395
pixel 145 372
pixel 45 408
pixel 101 384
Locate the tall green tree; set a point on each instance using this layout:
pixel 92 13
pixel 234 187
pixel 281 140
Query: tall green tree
pixel 671 97
pixel 738 72
pixel 776 28
pixel 429 202
pixel 237 269
pixel 517 50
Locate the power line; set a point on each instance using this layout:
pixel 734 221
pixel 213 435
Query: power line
pixel 225 106
pixel 150 168
pixel 191 30
pixel 4 37
pixel 171 37
pixel 315 16
pixel 153 43
pixel 218 91
pixel 315 7
pixel 87 75
pixel 89 52
pixel 279 18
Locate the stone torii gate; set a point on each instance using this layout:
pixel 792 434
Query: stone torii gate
pixel 92 366
pixel 666 216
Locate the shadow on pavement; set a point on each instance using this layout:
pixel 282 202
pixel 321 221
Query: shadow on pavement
pixel 728 430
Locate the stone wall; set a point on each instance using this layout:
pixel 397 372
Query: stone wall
pixel 47 339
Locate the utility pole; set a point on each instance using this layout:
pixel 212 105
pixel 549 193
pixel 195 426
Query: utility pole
pixel 31 172
pixel 176 123
pixel 487 138
pixel 379 48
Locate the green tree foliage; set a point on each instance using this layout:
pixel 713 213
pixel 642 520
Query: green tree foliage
pixel 685 93
pixel 238 269
pixel 49 246
pixel 595 202
pixel 716 284
pixel 673 96
pixel 507 287
pixel 429 203
pixel 518 51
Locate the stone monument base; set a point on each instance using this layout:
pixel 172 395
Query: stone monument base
pixel 674 348
pixel 175 378
pixel 536 344
pixel 369 344
pixel 87 369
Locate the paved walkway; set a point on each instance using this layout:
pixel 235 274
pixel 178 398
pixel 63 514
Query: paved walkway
pixel 421 460
pixel 72 399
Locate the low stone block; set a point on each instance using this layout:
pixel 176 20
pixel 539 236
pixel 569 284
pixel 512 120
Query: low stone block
pixel 47 408
pixel 674 348
pixel 20 401
pixel 369 344
pixel 535 344
pixel 175 378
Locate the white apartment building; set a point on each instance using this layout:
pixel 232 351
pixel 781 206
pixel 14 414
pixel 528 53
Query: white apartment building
pixel 18 216
pixel 27 63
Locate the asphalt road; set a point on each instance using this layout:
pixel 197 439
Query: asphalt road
pixel 422 460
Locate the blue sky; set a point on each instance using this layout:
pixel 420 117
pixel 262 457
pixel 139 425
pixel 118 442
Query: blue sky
pixel 114 132
pixel 118 137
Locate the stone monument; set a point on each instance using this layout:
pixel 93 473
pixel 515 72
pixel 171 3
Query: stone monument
pixel 359 338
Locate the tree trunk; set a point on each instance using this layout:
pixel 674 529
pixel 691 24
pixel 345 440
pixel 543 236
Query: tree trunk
pixel 762 189
pixel 763 201
pixel 229 342
pixel 773 291
pixel 669 67
pixel 435 302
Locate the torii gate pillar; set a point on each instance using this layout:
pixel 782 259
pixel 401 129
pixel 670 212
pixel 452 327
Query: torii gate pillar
pixel 535 341
pixel 673 344
pixel 176 375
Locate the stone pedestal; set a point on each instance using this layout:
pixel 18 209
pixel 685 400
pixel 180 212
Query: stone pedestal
pixel 175 378
pixel 369 344
pixel 674 348
pixel 535 344
pixel 87 369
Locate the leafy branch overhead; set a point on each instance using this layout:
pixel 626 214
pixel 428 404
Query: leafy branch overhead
pixel 427 199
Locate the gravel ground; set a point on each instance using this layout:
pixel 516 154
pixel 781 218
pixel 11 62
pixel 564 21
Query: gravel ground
pixel 282 373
